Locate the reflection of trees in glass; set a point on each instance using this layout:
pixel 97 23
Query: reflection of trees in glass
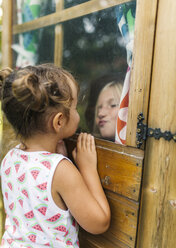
pixel 71 3
pixel 90 45
pixel 93 47
pixel 49 6
pixel 46 48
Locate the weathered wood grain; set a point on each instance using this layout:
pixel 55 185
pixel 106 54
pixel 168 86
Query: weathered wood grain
pixel 58 44
pixel 7 34
pixel 122 231
pixel 142 65
pixel 119 168
pixel 157 226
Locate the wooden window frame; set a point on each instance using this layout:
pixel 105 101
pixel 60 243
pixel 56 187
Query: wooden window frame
pixel 142 53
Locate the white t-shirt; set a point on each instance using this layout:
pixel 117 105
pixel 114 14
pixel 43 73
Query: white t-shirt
pixel 33 219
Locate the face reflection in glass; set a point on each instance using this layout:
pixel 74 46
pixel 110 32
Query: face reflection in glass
pixel 107 108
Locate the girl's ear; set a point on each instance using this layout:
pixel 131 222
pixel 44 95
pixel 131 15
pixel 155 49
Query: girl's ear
pixel 58 121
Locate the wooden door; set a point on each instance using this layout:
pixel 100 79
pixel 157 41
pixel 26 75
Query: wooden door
pixel 120 167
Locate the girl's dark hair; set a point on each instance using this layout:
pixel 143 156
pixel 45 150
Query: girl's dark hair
pixel 31 94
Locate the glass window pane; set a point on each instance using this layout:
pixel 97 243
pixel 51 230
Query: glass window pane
pixel 97 50
pixel 71 3
pixel 34 47
pixel 27 10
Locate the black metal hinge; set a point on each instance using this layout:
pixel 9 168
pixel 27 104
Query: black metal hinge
pixel 143 131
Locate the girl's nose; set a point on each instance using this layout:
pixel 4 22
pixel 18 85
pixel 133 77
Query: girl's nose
pixel 102 112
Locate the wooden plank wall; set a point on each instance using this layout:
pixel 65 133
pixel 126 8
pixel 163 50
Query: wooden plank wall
pixel 157 226
pixel 120 171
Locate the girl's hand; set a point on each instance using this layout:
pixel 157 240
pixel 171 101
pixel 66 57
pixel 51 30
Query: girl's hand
pixel 61 148
pixel 84 154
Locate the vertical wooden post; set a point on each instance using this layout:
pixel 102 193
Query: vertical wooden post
pixel 58 37
pixel 141 70
pixel 157 226
pixel 7 33
pixel 7 24
pixel 6 61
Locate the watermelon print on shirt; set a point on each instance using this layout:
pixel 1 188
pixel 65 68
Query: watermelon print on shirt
pixel 33 219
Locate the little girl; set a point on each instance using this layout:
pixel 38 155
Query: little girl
pixel 45 194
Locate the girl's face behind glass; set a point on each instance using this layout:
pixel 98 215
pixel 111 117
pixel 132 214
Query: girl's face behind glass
pixel 107 110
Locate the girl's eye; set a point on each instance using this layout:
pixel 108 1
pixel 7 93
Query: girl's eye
pixel 114 105
pixel 99 107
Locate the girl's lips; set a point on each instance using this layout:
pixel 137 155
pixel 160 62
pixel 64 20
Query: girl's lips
pixel 101 123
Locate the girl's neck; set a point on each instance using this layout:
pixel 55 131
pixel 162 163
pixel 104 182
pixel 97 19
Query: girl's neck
pixel 39 142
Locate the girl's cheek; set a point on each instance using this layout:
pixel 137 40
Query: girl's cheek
pixel 115 112
pixel 97 120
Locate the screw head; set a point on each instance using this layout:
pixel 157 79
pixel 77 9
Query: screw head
pixel 151 131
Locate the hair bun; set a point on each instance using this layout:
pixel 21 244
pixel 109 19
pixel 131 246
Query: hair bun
pixel 3 74
pixel 30 92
